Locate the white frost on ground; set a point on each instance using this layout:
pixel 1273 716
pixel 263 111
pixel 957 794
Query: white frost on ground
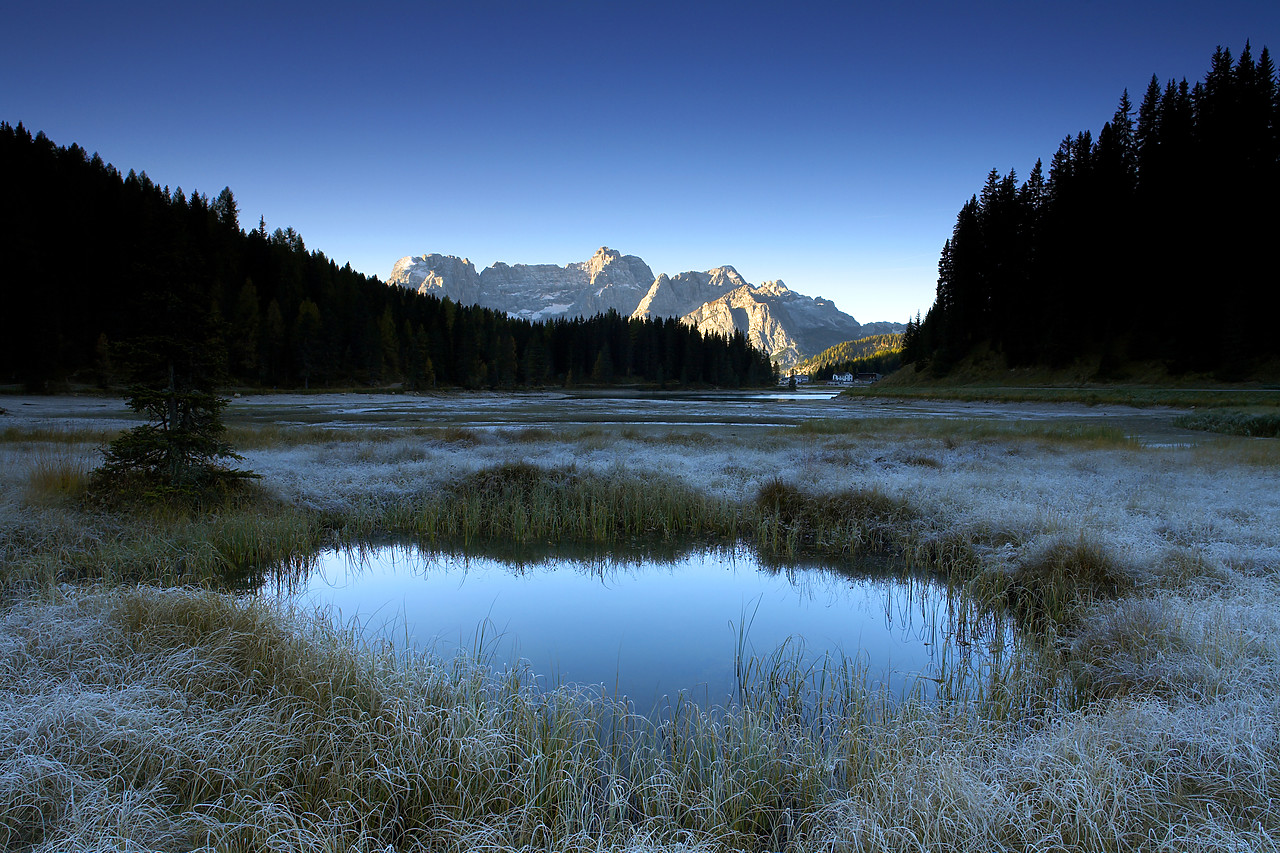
pixel 1192 657
pixel 1143 503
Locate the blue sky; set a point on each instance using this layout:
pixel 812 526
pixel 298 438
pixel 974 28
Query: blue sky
pixel 826 144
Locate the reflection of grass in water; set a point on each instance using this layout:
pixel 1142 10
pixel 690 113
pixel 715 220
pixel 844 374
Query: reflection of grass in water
pixel 596 558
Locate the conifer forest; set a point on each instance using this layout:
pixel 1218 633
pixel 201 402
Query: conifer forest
pixel 1111 253
pixel 94 255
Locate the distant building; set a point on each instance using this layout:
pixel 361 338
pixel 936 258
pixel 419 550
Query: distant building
pixel 842 378
pixel 867 377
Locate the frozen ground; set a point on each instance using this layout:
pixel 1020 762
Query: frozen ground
pixel 1189 663
pixel 1169 492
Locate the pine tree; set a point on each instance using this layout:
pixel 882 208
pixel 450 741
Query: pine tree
pixel 226 209
pixel 306 337
pixel 246 331
pixel 175 365
pixel 506 363
pixel 602 370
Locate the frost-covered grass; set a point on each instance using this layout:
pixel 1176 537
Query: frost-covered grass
pixel 1074 391
pixel 177 719
pixel 1259 423
pixel 1145 717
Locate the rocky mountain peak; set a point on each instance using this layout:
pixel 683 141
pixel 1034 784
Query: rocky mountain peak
pixel 786 324
pixel 602 258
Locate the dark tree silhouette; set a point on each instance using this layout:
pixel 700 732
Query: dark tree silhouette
pixel 77 232
pixel 1095 262
pixel 175 365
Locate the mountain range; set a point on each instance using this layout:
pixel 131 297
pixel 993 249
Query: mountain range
pixel 775 319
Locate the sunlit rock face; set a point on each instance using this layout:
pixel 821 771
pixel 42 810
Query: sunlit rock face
pixel 439 275
pixel 616 282
pixel 787 325
pixel 609 280
pixel 678 295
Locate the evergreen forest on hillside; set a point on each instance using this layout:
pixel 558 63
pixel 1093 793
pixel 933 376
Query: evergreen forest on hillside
pixel 872 354
pixel 99 261
pixel 1153 242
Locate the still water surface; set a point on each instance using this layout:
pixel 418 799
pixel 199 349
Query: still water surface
pixel 650 629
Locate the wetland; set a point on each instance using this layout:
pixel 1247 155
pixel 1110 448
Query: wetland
pixel 167 685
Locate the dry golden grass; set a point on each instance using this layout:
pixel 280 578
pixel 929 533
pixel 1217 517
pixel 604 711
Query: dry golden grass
pixel 57 473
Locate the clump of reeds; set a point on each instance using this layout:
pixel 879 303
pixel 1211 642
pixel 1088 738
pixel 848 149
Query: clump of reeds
pixel 792 521
pixel 686 439
pixel 1056 582
pixel 528 435
pixel 234 543
pixel 521 502
pixel 66 434
pixel 952 554
pixel 57 474
pixel 919 460
pixel 452 434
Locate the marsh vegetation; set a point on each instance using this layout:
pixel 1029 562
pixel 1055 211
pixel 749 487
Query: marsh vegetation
pixel 150 698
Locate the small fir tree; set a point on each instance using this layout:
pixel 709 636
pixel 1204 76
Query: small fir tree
pixel 175 368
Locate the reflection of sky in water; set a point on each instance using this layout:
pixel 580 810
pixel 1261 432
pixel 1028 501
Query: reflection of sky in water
pixel 648 629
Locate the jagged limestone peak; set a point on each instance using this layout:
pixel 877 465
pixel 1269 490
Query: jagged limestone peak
pixel 786 324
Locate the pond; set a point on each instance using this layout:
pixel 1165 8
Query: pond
pixel 652 629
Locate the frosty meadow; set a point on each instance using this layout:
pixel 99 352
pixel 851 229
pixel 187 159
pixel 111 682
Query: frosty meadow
pixel 1136 709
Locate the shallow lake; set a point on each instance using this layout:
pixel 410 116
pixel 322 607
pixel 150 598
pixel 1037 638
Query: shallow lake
pixel 651 630
pixel 710 410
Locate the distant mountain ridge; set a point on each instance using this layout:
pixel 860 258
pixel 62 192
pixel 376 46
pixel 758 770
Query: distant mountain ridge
pixel 775 319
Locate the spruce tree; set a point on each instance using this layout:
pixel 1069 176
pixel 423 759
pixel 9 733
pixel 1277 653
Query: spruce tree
pixel 175 365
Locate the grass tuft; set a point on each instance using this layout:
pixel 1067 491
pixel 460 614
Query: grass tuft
pixel 791 521
pixel 453 434
pixel 1056 582
pixel 521 502
pixel 57 475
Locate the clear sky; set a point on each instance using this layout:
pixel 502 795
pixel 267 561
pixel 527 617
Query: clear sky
pixel 827 144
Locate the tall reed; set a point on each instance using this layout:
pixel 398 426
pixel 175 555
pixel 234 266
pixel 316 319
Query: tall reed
pixel 520 502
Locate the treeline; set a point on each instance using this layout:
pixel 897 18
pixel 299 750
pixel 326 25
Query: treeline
pixel 1153 242
pixel 97 259
pixel 872 354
